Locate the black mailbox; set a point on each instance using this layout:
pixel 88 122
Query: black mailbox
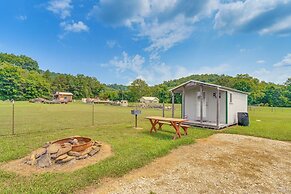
pixel 135 112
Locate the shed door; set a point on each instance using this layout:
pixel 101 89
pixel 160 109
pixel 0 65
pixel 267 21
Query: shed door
pixel 199 104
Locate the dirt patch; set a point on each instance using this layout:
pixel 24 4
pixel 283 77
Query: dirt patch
pixel 19 167
pixel 222 163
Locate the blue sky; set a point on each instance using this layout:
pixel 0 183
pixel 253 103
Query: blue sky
pixel 118 41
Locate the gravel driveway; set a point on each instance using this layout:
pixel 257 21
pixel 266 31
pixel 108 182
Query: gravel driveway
pixel 222 163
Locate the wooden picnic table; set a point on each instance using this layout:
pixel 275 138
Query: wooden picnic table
pixel 176 123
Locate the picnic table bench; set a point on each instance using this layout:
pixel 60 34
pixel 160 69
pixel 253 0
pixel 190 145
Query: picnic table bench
pixel 174 122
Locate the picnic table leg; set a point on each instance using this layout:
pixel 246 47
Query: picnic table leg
pixel 154 123
pixel 177 128
pixel 185 130
pixel 160 126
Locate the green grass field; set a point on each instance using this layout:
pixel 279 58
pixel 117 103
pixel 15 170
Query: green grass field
pixel 36 124
pixel 272 123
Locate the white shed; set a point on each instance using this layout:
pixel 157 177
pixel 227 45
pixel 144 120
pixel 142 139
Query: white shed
pixel 149 100
pixel 210 105
pixel 123 103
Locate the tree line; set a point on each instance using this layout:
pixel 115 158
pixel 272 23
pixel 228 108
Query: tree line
pixel 22 79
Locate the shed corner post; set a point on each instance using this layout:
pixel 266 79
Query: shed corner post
pixel 201 103
pixel 217 108
pixel 226 107
pixel 183 103
pixel 173 103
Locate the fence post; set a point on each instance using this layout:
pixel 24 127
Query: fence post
pixel 93 117
pixel 13 115
pixel 163 109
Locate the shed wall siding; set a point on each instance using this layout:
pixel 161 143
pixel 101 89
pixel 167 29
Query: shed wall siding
pixel 192 105
pixel 239 104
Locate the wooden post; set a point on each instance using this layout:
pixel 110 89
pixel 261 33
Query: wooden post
pixel 183 103
pixel 13 115
pixel 201 103
pixel 217 108
pixel 93 116
pixel 173 104
pixel 163 108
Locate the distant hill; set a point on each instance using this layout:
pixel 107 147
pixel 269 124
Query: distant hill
pixel 209 78
pixel 117 87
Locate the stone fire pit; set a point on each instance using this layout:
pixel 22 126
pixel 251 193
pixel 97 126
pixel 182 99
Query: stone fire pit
pixel 63 151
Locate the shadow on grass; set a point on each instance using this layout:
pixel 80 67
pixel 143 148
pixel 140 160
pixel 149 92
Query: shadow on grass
pixel 164 135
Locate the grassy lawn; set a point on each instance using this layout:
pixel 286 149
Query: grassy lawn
pixel 272 123
pixel 38 123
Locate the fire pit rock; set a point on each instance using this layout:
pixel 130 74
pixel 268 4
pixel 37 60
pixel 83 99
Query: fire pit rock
pixel 63 151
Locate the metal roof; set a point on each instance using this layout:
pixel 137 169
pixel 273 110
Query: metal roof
pixel 64 93
pixel 149 98
pixel 207 84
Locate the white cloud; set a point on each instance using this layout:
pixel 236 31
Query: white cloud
pixel 74 27
pixel 260 61
pixel 164 23
pixel 169 22
pixel 128 63
pixel 182 71
pixel 165 35
pixel 60 7
pixel 262 16
pixel 21 17
pixel 285 62
pixel 275 75
pixel 219 69
pixel 133 67
pixel 112 43
pixel 279 73
pixel 283 26
pixel 136 67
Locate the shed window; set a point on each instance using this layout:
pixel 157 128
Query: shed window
pixel 230 97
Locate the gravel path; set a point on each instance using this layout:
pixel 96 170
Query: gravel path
pixel 222 163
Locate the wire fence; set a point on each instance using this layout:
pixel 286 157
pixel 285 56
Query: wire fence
pixel 37 117
pixel 268 109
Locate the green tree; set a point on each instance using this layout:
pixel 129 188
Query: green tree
pixel 287 92
pixel 274 96
pixel 162 92
pixel 288 82
pixel 10 82
pixel 19 84
pixel 35 86
pixel 21 61
pixel 137 89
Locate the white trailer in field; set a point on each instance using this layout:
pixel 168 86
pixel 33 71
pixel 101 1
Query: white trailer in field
pixel 210 105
